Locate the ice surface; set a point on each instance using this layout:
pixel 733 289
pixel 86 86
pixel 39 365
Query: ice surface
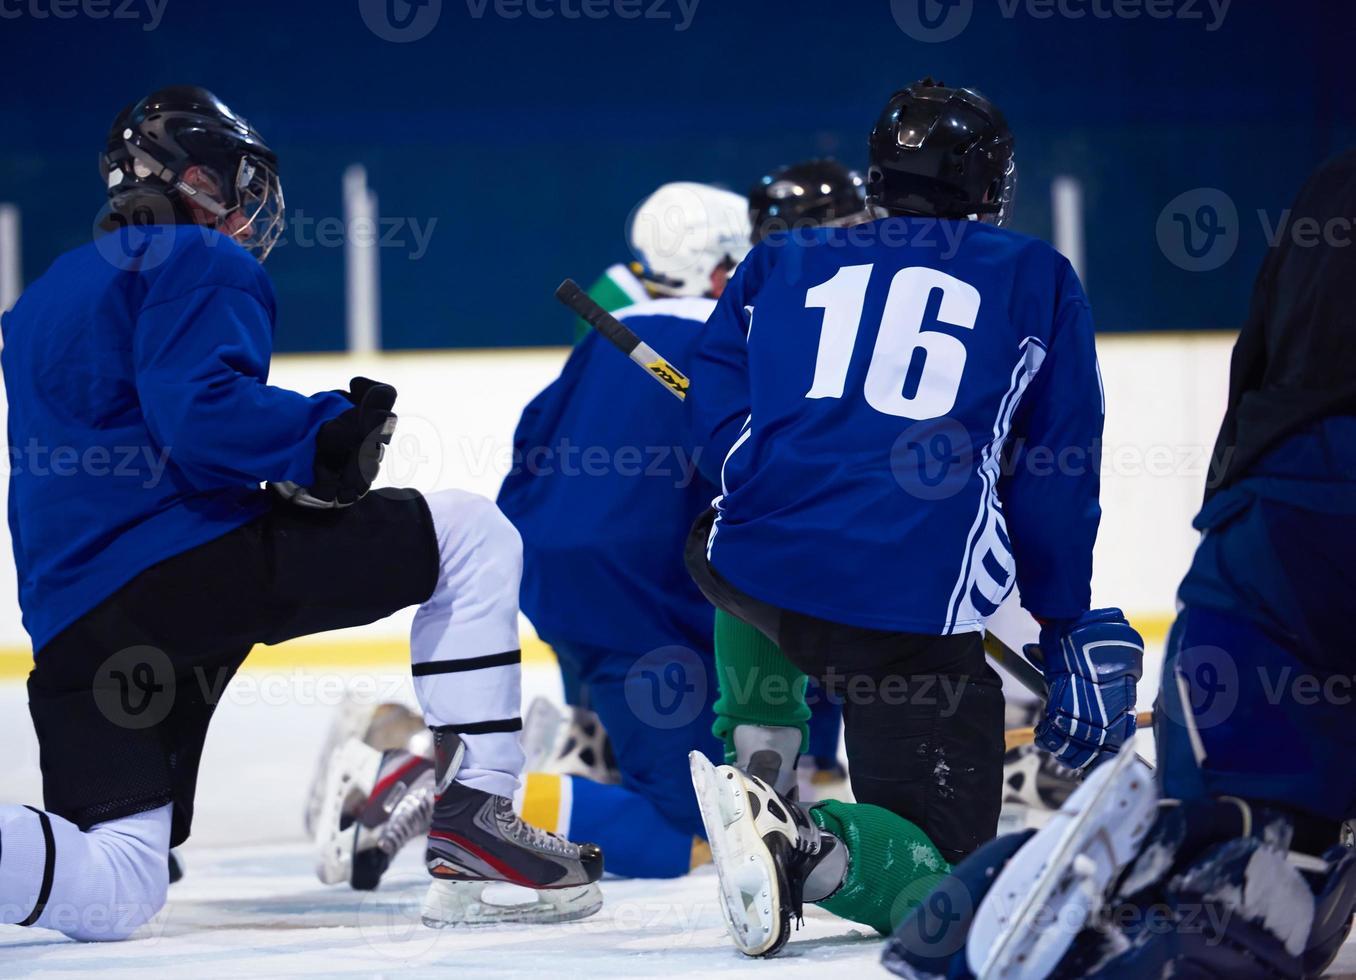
pixel 252 907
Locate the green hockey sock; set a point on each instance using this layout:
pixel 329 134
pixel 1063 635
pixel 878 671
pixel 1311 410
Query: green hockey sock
pixel 758 685
pixel 892 865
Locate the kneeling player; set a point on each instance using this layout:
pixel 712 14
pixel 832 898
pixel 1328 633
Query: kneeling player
pixel 145 587
pixel 1231 866
pixel 871 398
pixel 666 233
pixel 597 584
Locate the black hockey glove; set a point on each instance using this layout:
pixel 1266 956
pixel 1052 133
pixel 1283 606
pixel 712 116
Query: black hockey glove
pixel 349 448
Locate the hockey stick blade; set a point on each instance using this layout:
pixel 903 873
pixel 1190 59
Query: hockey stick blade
pixel 623 338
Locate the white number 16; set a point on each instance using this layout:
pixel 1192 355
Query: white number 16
pixel 901 334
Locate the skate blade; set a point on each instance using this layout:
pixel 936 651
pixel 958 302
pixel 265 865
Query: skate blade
pixel 463 903
pixel 748 875
pixel 1053 885
pixel 351 772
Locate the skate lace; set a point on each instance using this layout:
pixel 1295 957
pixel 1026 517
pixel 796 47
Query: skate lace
pixel 525 833
pixel 804 849
pixel 411 818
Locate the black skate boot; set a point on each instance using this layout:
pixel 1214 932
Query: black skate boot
pixel 477 841
pixel 770 856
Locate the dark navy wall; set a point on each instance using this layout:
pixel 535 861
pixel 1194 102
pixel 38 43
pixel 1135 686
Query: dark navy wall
pixel 529 140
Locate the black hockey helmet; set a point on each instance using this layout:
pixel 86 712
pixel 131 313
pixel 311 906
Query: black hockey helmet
pixel 813 192
pixel 944 152
pixel 153 142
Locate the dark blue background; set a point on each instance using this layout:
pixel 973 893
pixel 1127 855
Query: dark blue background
pixel 530 140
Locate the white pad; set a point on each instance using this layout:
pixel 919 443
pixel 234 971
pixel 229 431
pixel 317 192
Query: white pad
pixel 473 613
pixel 1052 886
pixel 106 883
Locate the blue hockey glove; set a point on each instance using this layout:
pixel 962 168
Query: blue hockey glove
pixel 1092 665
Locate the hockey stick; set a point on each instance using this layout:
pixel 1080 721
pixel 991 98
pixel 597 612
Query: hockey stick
pixel 1018 666
pixel 626 341
pixel 623 338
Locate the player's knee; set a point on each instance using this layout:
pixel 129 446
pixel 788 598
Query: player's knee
pixel 126 881
pixel 469 521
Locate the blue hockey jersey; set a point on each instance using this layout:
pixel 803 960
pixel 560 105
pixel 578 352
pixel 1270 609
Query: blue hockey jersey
pixel 140 421
pixel 905 411
pixel 604 489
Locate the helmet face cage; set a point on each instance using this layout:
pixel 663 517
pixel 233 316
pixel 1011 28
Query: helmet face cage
pixel 259 202
pixel 1002 196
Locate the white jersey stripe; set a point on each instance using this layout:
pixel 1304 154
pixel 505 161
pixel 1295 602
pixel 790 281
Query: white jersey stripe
pixel 989 517
pixel 745 431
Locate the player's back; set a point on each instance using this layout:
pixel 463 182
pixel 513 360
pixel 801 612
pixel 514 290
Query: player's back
pixel 603 490
pixel 886 367
pixel 94 496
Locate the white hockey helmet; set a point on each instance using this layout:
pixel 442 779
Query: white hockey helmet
pixel 685 231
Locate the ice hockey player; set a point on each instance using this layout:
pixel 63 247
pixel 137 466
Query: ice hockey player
pixel 602 487
pixel 151 560
pixel 877 402
pixel 802 196
pixel 634 625
pixel 660 267
pixel 1232 866
pixel 791 195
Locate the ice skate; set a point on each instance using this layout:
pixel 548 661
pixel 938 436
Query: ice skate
pixel 577 745
pixel 1062 874
pixel 382 726
pixel 768 853
pixel 586 750
pixel 374 802
pixel 477 842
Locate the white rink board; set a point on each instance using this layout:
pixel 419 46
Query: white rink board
pixel 1165 398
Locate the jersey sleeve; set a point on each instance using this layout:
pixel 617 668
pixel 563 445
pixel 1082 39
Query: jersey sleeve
pixel 201 359
pixel 1051 489
pixel 718 400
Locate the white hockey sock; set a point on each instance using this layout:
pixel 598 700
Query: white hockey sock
pixel 464 642
pixel 96 886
